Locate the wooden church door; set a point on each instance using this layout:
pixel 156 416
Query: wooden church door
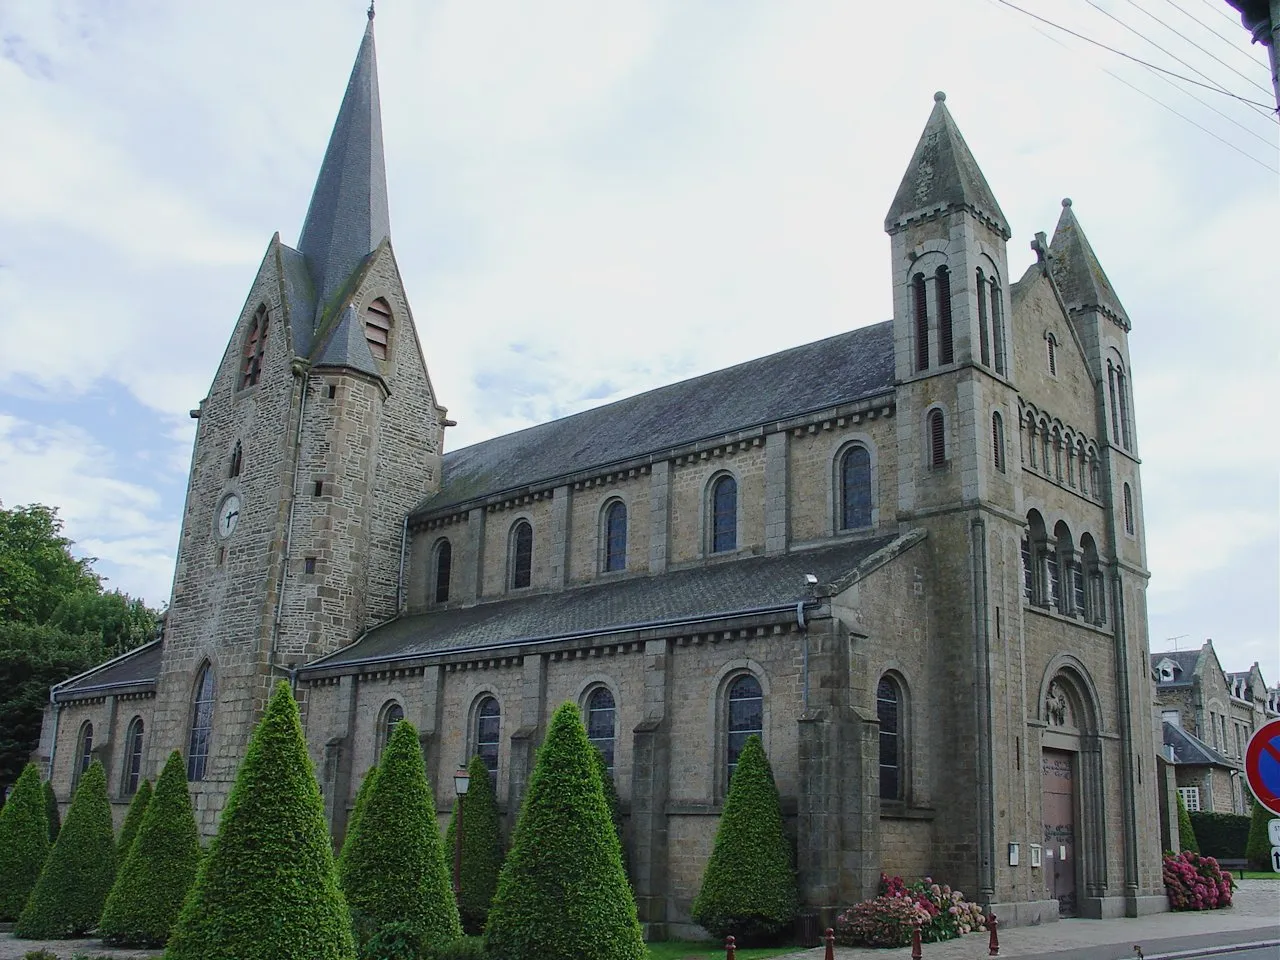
pixel 1058 784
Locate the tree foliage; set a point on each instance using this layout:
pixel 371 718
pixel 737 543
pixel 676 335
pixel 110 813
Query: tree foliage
pixel 52 811
pixel 1186 835
pixel 749 886
pixel 481 847
pixel 159 866
pixel 37 570
pixel 24 842
pixel 133 820
pixel 393 866
pixel 67 899
pixel 118 621
pixel 357 809
pixel 1258 848
pixel 562 891
pixel 615 807
pixel 268 889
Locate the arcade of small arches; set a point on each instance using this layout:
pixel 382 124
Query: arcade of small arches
pixel 1059 575
pixel 932 326
pixel 1059 453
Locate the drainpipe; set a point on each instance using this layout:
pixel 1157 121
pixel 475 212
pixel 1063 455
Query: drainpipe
pixel 53 746
pixel 302 370
pixel 404 540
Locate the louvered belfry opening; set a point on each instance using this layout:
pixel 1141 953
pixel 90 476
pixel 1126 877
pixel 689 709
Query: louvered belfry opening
pixel 377 328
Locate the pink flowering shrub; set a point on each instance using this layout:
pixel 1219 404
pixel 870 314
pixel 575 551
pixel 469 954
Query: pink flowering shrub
pixel 887 921
pixel 1194 882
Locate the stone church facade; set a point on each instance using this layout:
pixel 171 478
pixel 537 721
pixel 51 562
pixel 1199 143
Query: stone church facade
pixel 909 556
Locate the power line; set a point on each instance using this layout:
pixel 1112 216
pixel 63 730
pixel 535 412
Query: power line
pixel 1227 40
pixel 1131 3
pixel 1217 8
pixel 1154 99
pixel 1127 56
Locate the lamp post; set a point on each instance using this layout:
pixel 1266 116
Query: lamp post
pixel 461 781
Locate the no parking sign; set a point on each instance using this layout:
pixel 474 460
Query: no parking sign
pixel 1262 769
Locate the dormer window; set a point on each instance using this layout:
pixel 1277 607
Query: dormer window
pixel 255 345
pixel 377 328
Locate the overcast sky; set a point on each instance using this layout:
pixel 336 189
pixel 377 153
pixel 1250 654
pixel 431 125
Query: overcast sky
pixel 590 199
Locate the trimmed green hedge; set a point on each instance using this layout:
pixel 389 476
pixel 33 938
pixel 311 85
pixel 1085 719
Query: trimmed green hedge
pixel 749 886
pixel 481 848
pixel 1186 833
pixel 615 808
pixel 362 797
pixel 133 819
pixel 67 899
pixel 267 889
pixel 1258 846
pixel 393 869
pixel 1221 835
pixel 24 842
pixel 562 892
pixel 51 808
pixel 159 867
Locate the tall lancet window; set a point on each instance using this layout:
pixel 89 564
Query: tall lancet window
pixel 921 302
pixel 997 327
pixel 255 345
pixel 1122 386
pixel 377 328
pixel 946 335
pixel 984 336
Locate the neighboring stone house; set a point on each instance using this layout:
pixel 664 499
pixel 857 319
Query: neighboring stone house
pixel 1208 716
pixel 911 557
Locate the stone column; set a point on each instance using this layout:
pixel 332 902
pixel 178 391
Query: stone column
pixel 560 536
pixel 471 573
pixel 659 515
pixel 1129 807
pixel 777 520
pixel 524 742
pixel 335 781
pixel 650 776
pixel 428 724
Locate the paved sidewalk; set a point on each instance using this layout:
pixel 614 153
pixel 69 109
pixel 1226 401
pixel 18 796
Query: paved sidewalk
pixel 1253 916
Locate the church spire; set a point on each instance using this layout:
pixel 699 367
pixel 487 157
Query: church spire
pixel 943 174
pixel 1078 273
pixel 348 215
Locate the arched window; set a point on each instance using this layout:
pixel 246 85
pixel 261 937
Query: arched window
pixel 997 441
pixel 920 299
pixel 746 717
pixel 615 536
pixel 946 335
pixel 133 757
pixel 1115 405
pixel 84 755
pixel 443 568
pixel 997 327
pixel 1063 557
pixel 521 553
pixel 255 345
pixel 889 713
pixel 237 461
pixel 1095 609
pixel 984 338
pixel 937 439
pixel 201 724
pixel 1051 347
pixel 377 328
pixel 1038 582
pixel 724 514
pixel 488 723
pixel 392 713
pixel 1122 386
pixel 855 488
pixel 1128 510
pixel 1031 440
pixel 601 713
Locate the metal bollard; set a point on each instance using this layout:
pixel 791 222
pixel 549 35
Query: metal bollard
pixel 915 944
pixel 830 940
pixel 730 948
pixel 994 926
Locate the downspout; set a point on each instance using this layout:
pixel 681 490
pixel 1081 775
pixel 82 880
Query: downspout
pixel 404 540
pixel 804 629
pixel 303 370
pixel 53 746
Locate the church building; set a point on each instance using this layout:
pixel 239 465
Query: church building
pixel 911 557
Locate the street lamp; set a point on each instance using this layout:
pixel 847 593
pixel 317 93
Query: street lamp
pixel 461 782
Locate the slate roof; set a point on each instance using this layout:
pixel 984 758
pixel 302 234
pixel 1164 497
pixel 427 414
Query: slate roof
pixel 943 173
pixel 1186 661
pixel 348 216
pixel 347 346
pixel 1077 272
pixel 713 591
pixel 1191 750
pixel 299 298
pixel 136 669
pixel 815 376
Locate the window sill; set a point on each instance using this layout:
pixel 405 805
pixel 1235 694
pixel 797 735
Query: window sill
pixel 1054 614
pixel 900 810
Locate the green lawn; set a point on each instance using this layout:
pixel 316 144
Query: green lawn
pixel 1255 875
pixel 687 950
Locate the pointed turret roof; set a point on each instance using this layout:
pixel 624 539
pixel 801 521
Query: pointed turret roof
pixel 943 174
pixel 348 216
pixel 1077 272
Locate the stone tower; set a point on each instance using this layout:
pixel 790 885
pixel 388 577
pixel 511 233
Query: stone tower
pixel 319 432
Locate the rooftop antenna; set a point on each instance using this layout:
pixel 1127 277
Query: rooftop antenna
pixel 1174 640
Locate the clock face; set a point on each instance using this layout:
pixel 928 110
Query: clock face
pixel 228 516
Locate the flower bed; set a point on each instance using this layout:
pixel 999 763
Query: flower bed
pixel 939 912
pixel 1194 882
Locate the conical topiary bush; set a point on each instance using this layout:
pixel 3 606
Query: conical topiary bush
pixel 562 892
pixel 1186 834
pixel 24 842
pixel 749 886
pixel 393 866
pixel 267 889
pixel 67 899
pixel 615 808
pixel 362 797
pixel 160 866
pixel 481 848
pixel 133 820
pixel 1257 850
pixel 51 809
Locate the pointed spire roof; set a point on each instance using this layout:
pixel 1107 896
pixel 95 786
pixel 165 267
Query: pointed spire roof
pixel 943 174
pixel 1077 272
pixel 348 216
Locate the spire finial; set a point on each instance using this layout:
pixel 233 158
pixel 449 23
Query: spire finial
pixel 370 9
pixel 940 97
pixel 1066 201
